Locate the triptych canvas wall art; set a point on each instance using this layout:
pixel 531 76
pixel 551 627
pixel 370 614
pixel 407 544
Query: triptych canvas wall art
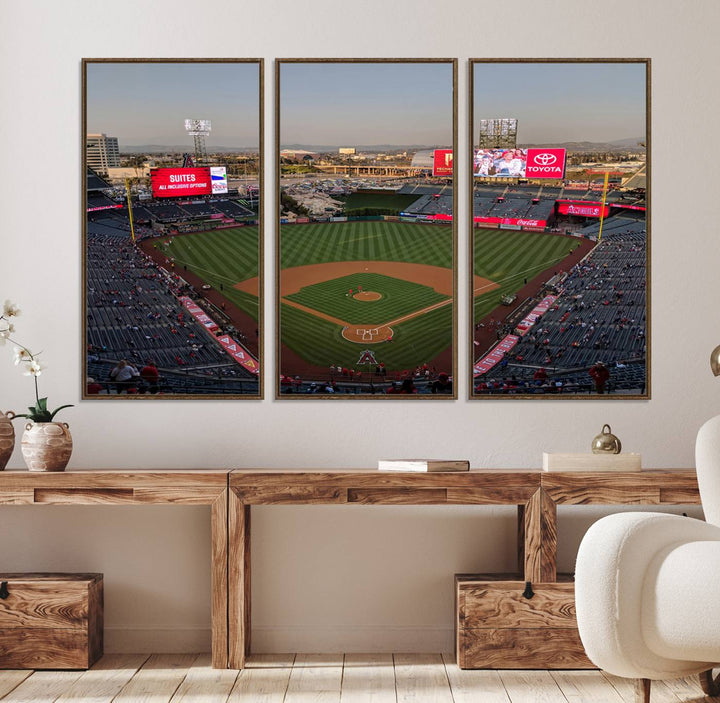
pixel 366 228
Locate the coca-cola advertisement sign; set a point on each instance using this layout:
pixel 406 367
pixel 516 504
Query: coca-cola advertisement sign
pixel 545 163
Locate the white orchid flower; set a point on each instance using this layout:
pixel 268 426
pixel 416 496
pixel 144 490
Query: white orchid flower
pixel 22 355
pixel 5 333
pixel 33 368
pixel 10 309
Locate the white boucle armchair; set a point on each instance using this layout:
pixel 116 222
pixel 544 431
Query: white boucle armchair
pixel 647 586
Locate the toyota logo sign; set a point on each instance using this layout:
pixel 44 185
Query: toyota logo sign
pixel 545 159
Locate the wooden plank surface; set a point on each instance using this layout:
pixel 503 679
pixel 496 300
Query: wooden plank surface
pixel 105 680
pixel 659 692
pixel 532 687
pixel 45 603
pixel 219 580
pixel 540 537
pixel 522 648
pixel 264 679
pixel 41 686
pixel 584 686
pixel 474 686
pixel 43 648
pixel 393 496
pixel 11 679
pixel 238 567
pixel 157 681
pixel 368 678
pixel 87 479
pixel 203 684
pixel 502 604
pixel 316 678
pixel 421 677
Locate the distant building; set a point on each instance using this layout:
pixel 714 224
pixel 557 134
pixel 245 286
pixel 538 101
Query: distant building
pixel 346 150
pixel 102 152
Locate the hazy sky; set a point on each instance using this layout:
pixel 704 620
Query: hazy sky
pixel 350 104
pixel 147 103
pixel 563 102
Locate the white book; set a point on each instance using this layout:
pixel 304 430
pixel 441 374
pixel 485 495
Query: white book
pixel 421 465
pixel 591 462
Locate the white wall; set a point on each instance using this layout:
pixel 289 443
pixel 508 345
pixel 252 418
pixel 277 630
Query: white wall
pixel 324 577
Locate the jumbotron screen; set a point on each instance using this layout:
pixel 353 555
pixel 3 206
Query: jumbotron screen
pixel 442 162
pixel 519 163
pixel 188 182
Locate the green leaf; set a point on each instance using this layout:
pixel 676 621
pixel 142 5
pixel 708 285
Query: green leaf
pixel 42 404
pixel 57 410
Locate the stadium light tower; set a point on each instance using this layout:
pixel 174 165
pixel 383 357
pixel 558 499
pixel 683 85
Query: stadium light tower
pixel 199 129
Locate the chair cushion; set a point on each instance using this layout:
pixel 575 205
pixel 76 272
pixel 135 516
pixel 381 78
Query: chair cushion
pixel 612 564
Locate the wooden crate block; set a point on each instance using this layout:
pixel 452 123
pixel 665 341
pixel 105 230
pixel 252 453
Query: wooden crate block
pixel 497 627
pixel 51 621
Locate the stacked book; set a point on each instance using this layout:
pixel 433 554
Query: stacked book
pixel 423 465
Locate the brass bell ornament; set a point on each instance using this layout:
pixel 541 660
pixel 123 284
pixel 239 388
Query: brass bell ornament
pixel 606 442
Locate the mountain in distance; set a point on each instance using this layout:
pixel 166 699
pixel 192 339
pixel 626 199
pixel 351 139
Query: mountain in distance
pixel 324 148
pixel 631 144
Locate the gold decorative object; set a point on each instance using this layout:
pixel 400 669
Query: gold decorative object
pixel 7 437
pixel 606 442
pixel 715 361
pixel 46 446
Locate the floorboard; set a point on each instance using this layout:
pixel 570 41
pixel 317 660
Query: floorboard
pixel 315 678
pixel 474 685
pixel 264 680
pixel 368 678
pixel 421 677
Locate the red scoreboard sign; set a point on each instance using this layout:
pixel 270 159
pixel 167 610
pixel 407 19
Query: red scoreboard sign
pixel 443 162
pixel 180 182
pixel 545 163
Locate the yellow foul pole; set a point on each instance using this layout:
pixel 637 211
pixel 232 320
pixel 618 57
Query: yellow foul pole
pixel 129 204
pixel 602 209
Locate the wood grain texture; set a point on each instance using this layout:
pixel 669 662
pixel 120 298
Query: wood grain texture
pixel 502 605
pixel 653 487
pixel 708 684
pixel 10 680
pixel 47 648
pixel 238 581
pixel 368 678
pixel 316 678
pixel 421 677
pixel 264 679
pixel 474 686
pixel 391 496
pixel 17 496
pixel 642 690
pixel 288 495
pixel 219 580
pixel 627 689
pixel 532 687
pixel 522 648
pixel 158 680
pixel 582 686
pixel 539 538
pixel 205 684
pixel 41 686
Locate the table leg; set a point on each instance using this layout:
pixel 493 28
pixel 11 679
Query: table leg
pixel 238 581
pixel 537 538
pixel 219 614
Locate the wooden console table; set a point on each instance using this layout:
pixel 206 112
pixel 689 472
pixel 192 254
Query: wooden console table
pixel 201 487
pixel 537 495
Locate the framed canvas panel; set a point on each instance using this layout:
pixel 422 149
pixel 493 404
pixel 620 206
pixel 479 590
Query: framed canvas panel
pixel 560 246
pixel 366 233
pixel 172 228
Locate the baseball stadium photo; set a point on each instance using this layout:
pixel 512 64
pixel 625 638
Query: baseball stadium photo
pixel 172 238
pixel 366 239
pixel 560 170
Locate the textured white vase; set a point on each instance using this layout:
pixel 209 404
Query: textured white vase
pixel 7 437
pixel 46 446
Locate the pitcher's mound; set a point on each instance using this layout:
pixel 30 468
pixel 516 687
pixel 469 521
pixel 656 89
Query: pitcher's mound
pixel 367 295
pixel 368 335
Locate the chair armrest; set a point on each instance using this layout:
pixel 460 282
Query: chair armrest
pixel 610 574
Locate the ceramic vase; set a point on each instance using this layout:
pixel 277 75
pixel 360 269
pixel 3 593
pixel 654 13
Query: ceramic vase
pixel 46 446
pixel 7 437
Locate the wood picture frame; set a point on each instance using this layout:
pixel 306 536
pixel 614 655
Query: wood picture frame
pixel 560 228
pixel 172 240
pixel 366 231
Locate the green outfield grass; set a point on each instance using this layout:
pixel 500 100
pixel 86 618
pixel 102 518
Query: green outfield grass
pixel 389 203
pixel 399 298
pixel 415 342
pixel 508 257
pixel 320 342
pixel 365 241
pixel 222 257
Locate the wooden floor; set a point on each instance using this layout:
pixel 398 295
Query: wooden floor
pixel 350 678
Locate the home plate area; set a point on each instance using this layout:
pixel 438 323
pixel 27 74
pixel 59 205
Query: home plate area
pixel 368 335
